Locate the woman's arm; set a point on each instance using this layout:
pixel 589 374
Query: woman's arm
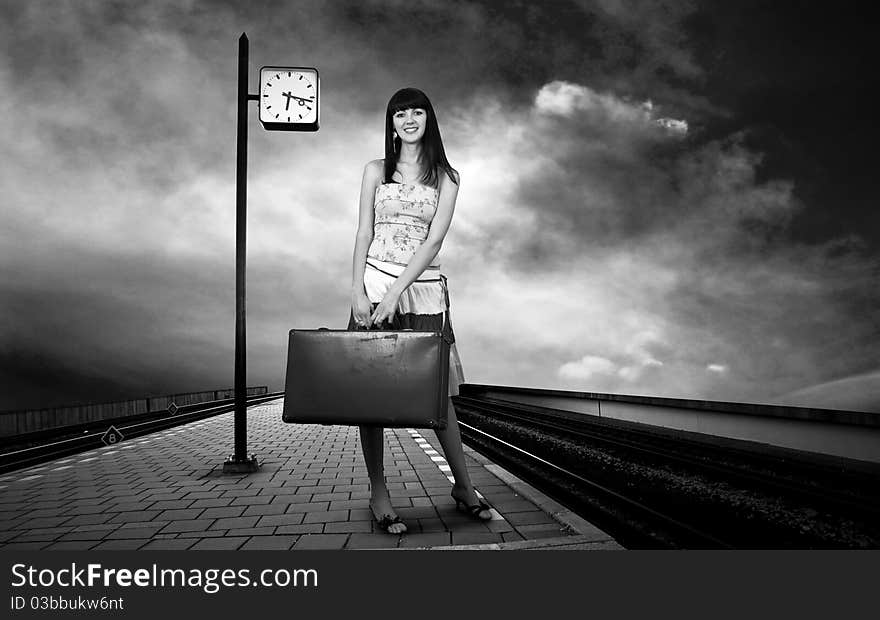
pixel 426 252
pixel 360 304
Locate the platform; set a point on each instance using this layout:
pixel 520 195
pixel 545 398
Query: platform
pixel 168 491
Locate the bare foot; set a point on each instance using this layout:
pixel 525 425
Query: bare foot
pixel 386 517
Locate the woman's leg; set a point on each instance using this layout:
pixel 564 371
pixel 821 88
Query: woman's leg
pixel 450 439
pixel 373 447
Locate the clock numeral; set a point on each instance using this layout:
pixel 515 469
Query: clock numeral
pixel 268 107
pixel 288 74
pixel 309 86
pixel 300 77
pixel 308 108
pixel 269 84
pixel 300 116
pixel 288 119
pixel 276 116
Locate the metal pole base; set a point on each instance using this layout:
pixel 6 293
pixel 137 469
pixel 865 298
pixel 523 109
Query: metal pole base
pixel 240 466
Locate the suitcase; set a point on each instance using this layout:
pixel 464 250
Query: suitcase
pixel 382 378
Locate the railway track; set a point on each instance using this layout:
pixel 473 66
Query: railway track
pixel 655 490
pixel 35 448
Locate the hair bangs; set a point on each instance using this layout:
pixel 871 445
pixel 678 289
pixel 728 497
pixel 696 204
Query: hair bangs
pixel 408 98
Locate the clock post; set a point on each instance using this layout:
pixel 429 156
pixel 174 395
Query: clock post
pixel 290 101
pixel 240 461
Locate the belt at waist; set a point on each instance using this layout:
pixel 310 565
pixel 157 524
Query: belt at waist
pixel 430 274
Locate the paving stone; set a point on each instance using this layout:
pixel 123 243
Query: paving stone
pixel 268 509
pixel 476 538
pixel 252 531
pixel 422 512
pixel 203 534
pixel 189 525
pixel 202 495
pixel 304 528
pixel 25 546
pixel 121 545
pixel 539 534
pixel 42 522
pixel 511 536
pixel 241 492
pixel 528 518
pixel 329 497
pixel 179 515
pixel 134 532
pixel 86 535
pixel 433 539
pixel 291 499
pixel 319 507
pixel 348 526
pixel 211 503
pixel 499 525
pixel 90 519
pixel 72 545
pixel 421 502
pixel 135 517
pixel 431 525
pixel 228 543
pixel 321 541
pixel 179 504
pixel 252 500
pixel 129 507
pixel 280 543
pixel 516 505
pixel 371 541
pixel 137 524
pixel 226 511
pixel 285 519
pixel 234 522
pixel 326 516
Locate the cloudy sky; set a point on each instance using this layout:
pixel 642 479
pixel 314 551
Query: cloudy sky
pixel 658 197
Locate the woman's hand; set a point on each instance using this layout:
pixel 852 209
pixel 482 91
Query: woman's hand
pixel 360 309
pixel 386 309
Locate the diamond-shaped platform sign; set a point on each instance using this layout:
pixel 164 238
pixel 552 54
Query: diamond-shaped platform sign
pixel 172 408
pixel 112 437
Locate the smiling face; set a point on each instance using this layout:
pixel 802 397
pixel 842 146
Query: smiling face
pixel 410 124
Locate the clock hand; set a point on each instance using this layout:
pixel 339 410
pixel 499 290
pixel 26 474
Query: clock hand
pixel 289 97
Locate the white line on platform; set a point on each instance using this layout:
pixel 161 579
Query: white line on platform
pixel 30 478
pixel 62 467
pixel 442 466
pixel 94 458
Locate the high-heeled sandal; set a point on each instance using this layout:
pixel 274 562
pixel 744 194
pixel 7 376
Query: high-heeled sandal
pixel 473 510
pixel 387 521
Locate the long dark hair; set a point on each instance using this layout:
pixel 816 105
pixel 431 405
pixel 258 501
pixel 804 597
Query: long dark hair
pixel 433 157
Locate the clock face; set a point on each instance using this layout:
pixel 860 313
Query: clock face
pixel 289 98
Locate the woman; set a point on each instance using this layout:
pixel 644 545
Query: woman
pixel 406 205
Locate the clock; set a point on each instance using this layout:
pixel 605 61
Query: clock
pixel 289 98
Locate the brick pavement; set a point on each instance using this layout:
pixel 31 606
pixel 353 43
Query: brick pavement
pixel 168 491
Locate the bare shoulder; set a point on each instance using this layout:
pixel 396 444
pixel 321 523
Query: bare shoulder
pixel 374 168
pixel 449 184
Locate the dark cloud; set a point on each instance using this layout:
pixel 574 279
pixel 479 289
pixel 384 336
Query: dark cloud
pixel 736 261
